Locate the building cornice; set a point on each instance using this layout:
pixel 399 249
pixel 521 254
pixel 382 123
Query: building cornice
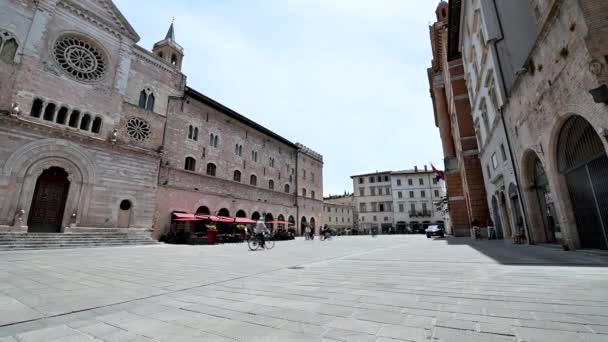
pixel 150 58
pixel 117 28
pixel 75 136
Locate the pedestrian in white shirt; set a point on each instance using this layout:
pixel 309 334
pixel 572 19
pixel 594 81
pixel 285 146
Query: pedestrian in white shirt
pixel 259 230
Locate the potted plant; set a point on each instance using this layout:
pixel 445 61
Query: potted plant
pixel 211 234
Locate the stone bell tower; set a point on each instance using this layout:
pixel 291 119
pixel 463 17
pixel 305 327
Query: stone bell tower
pixel 169 50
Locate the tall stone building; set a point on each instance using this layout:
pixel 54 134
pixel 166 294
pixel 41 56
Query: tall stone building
pixel 415 195
pixel 98 132
pixel 374 201
pixel 495 43
pixel 452 108
pixel 557 115
pixel 339 211
pixel 398 200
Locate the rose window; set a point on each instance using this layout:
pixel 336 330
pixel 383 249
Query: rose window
pixel 138 129
pixel 79 59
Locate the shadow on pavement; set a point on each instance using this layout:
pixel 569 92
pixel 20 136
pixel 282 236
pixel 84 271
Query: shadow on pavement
pixel 507 253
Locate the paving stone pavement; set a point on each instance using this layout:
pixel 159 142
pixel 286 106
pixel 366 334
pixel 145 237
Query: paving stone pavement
pixel 350 289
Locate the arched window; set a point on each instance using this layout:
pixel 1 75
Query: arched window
pixel 84 123
pixel 49 112
pixel 96 128
pixel 236 149
pixel 312 194
pixel 150 104
pixel 271 184
pixel 240 150
pixel 8 47
pixel 174 59
pixel 190 132
pixel 287 188
pixel 303 192
pixel 237 176
pixel 146 100
pixel 190 164
pixel 74 117
pixel 211 169
pixel 253 180
pixel 195 137
pixel 216 140
pixel 203 210
pixel 160 54
pixel 62 116
pixel 36 108
pixel 143 98
pixel 211 139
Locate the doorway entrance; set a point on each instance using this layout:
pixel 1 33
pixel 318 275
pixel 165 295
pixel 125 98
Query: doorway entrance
pixel 545 202
pixel 48 203
pixel 582 160
pixel 124 214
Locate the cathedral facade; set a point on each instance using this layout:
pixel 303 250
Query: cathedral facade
pixel 98 132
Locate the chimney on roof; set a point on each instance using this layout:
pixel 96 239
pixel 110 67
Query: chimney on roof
pixel 426 168
pixel 416 168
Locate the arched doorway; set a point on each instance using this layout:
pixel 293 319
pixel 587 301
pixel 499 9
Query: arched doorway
pixel 497 217
pixel 517 217
pixel 281 218
pixel 313 225
pixel 124 214
pixel 224 227
pixel 582 159
pixel 415 227
pixel 241 213
pixel 303 225
pixel 48 203
pixel 255 216
pixel 292 223
pixel 505 229
pixel 269 218
pixel 540 185
pixel 203 210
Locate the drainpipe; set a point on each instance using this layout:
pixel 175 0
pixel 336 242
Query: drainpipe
pixel 298 221
pixel 504 126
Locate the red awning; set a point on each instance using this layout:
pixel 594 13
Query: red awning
pixel 183 215
pixel 243 220
pixel 224 219
pixel 278 222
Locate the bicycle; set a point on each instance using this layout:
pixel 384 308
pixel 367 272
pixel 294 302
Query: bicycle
pixel 325 236
pixel 254 242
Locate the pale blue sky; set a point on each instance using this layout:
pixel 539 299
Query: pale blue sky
pixel 345 77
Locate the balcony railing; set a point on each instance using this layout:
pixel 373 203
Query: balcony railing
pixel 423 213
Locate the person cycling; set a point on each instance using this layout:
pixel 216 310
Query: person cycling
pixel 259 230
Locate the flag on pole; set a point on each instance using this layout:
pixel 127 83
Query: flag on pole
pixel 440 174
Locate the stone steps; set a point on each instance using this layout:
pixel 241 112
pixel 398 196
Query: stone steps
pixel 96 238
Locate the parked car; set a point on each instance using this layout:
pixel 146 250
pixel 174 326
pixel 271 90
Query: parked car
pixel 434 230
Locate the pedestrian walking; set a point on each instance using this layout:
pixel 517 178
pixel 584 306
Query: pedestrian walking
pixel 475 229
pixel 491 230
